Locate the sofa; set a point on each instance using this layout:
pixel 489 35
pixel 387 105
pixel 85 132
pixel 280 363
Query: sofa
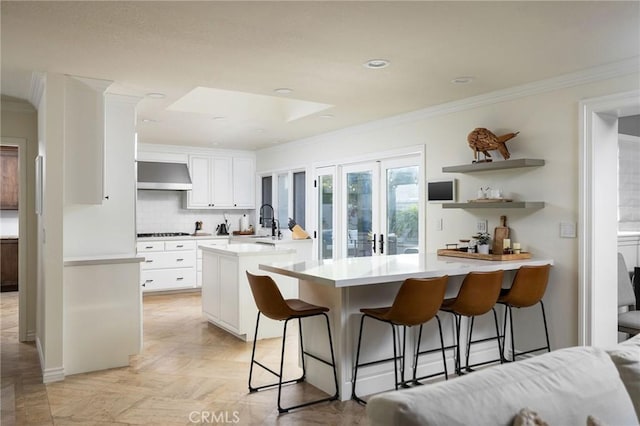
pixel 571 386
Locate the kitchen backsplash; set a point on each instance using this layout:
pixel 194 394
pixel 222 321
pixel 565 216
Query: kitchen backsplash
pixel 163 211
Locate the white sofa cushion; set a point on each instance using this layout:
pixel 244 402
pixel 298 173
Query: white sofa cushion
pixel 563 387
pixel 626 357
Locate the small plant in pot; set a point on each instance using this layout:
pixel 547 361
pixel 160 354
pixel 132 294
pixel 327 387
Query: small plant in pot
pixel 482 245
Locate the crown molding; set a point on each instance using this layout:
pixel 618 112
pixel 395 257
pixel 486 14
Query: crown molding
pixel 38 82
pixel 603 72
pixel 17 106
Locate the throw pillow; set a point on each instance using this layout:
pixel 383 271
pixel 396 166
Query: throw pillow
pixel 627 361
pixel 528 417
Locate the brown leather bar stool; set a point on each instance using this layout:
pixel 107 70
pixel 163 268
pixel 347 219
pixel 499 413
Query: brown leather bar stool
pixel 527 289
pixel 477 296
pixel 416 303
pixel 270 303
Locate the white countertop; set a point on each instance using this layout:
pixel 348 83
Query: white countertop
pixel 382 269
pixel 185 237
pixel 246 249
pixel 102 260
pixel 266 239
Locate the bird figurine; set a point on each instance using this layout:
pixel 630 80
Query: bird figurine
pixel 483 140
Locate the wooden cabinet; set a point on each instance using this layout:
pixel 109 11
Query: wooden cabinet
pixel 9 264
pixel 9 186
pixel 168 265
pixel 489 166
pixel 221 182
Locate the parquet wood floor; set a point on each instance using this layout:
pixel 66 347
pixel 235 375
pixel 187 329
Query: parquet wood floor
pixel 189 372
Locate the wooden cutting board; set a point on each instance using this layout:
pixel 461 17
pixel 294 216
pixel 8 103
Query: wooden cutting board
pixel 500 234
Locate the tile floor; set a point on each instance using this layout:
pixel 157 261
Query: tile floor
pixel 189 372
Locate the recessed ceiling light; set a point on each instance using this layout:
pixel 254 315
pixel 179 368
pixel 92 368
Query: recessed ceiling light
pixel 462 80
pixel 149 120
pixel 218 118
pixel 155 95
pixel 283 90
pixel 326 116
pixel 376 64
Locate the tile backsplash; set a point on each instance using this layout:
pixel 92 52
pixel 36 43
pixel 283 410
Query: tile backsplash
pixel 163 211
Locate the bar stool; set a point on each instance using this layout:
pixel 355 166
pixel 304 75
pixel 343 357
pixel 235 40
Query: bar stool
pixel 416 302
pixel 527 289
pixel 477 296
pixel 270 303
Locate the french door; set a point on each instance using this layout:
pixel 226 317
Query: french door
pixel 370 209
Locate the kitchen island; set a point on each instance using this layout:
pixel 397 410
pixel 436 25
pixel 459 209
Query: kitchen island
pixel 346 285
pixel 227 301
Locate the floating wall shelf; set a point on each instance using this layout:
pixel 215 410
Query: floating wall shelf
pixel 504 205
pixel 494 165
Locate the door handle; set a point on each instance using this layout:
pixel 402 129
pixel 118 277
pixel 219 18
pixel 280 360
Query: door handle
pixel 374 243
pixel 381 243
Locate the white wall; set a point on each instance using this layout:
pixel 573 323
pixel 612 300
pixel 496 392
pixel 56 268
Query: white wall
pixel 163 211
pixel 50 240
pixel 548 122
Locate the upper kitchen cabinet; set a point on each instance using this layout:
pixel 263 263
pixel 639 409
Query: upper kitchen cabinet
pixel 221 182
pixel 84 140
pixel 244 182
pixel 9 184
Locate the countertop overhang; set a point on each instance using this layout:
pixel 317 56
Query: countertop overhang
pixel 384 269
pixel 246 249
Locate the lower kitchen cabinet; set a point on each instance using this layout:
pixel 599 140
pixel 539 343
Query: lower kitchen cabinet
pixel 168 265
pixel 227 301
pixel 9 266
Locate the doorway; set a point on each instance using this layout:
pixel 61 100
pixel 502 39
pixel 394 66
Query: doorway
pixel 14 224
pixel 597 296
pixel 370 208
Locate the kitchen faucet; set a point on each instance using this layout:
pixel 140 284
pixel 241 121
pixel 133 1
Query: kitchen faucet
pixel 273 218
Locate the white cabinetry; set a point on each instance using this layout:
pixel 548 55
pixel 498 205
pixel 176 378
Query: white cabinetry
pixel 168 265
pixel 219 241
pixel 244 182
pixel 84 138
pixel 221 182
pixel 226 297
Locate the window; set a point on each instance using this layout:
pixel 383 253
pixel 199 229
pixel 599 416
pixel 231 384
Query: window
pixel 628 183
pixel 267 197
pixel 287 196
pixel 299 198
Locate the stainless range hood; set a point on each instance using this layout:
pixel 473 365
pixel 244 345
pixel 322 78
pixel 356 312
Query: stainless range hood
pixel 168 176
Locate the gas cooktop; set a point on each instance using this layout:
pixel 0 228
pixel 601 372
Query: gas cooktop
pixel 163 234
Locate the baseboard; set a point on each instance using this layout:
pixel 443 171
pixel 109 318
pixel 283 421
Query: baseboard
pixel 31 336
pixel 49 375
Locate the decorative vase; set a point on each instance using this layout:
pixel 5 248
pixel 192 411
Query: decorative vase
pixel 483 248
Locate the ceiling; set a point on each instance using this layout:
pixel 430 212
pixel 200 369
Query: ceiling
pixel 317 49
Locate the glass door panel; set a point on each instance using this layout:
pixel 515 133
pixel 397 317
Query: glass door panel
pixel 326 226
pixel 360 218
pixel 402 209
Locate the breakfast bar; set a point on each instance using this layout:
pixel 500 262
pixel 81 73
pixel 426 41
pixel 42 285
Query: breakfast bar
pixel 346 285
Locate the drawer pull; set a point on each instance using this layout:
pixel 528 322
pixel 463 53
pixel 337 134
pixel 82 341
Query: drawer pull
pixel 148 261
pixel 179 260
pixel 179 278
pixel 148 281
pixel 148 247
pixel 180 245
